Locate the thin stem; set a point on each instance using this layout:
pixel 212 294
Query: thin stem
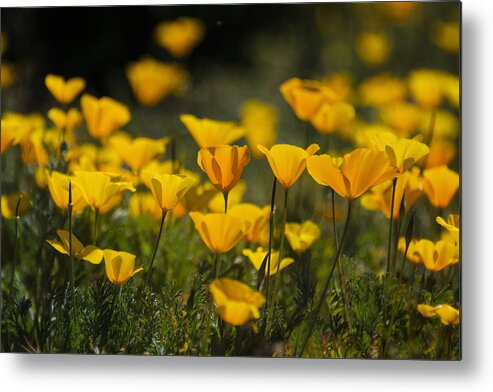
pixel 391 220
pixel 316 311
pixel 217 265
pixel 225 194
pixel 14 261
pixel 95 230
pixel 69 209
pixel 271 234
pixel 156 246
pixel 173 155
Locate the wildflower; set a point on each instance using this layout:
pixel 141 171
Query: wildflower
pixel 435 256
pixel 9 204
pixel 332 116
pixel 67 121
pixel 256 216
pixel 211 133
pixel 402 116
pixel 446 124
pixel 152 80
pixel 288 162
pixel 301 236
pixel 352 175
pixel 104 115
pixel 374 136
pixel 452 224
pixel 259 120
pixel 180 36
pixel 198 198
pixel 64 91
pixel 10 134
pixel 223 165
pixel 404 153
pixel 219 231
pixel 258 257
pixel 306 96
pixel 448 314
pixel 120 266
pixel 98 190
pixel 236 302
pixel 440 185
pixel 89 253
pixel 138 152
pixel 373 48
pixel 168 189
pixel 411 256
pixel 143 203
pixel 446 35
pixel 381 90
pixel 426 87
pixel 58 184
pixel 442 152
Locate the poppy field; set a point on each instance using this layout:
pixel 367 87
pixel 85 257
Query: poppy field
pixel 296 194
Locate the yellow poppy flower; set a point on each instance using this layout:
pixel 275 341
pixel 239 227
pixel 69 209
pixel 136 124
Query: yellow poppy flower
pixel 440 185
pixel 402 116
pixel 64 91
pixel 373 48
pixel 119 266
pixel 152 80
pixel 211 133
pixel 257 217
pixel 399 10
pixel 452 224
pixel 446 124
pixel 446 35
pixel 427 87
pixel 98 190
pixel 382 90
pixel 11 134
pixel 352 175
pixel 332 116
pixel 448 314
pixel 58 185
pixel 219 231
pixel 9 204
pixel 374 136
pixel 257 258
pixel 141 203
pixel 341 83
pixel 8 74
pixel 89 253
pixel 288 162
pixel 452 89
pixel 404 153
pixel 306 96
pixel 301 236
pixel 235 196
pixel 67 121
pixel 198 198
pixel 442 152
pixel 138 152
pixel 168 189
pixel 180 36
pixel 236 302
pixel 223 165
pixel 411 256
pixel 259 120
pixel 436 256
pixel 104 115
pixel 33 149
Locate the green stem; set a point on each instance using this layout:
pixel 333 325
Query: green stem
pixel 69 209
pixel 271 234
pixel 95 230
pixel 391 220
pixel 318 306
pixel 156 246
pixel 14 261
pixel 225 194
pixel 217 265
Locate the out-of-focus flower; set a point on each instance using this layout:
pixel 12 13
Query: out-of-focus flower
pixel 332 116
pixel 440 185
pixel 104 115
pixel 152 80
pixel 98 190
pixel 236 303
pixel 427 86
pixel 302 235
pixel 219 231
pixel 180 36
pixel 352 175
pixel 408 186
pixel 58 185
pixel 89 253
pixel 413 258
pixel 138 152
pixel 67 121
pixel 259 120
pixel 8 74
pixel 306 96
pixel 211 133
pixel 168 189
pixel 257 258
pixel 11 134
pixel 373 48
pixel 452 89
pixel 9 204
pixel 448 314
pixel 435 256
pixel 288 162
pixel 223 165
pixel 143 203
pixel 381 90
pixel 403 117
pixel 64 91
pixel 374 136
pixel 404 153
pixel 235 196
pixel 442 152
pixel 120 266
pixel 341 83
pixel 258 217
pixel 33 149
pixel 446 35
pixel 198 198
pixel 445 125
pixel 399 10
